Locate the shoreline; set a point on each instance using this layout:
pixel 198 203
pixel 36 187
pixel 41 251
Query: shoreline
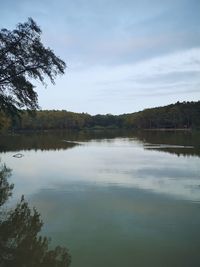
pixel 169 129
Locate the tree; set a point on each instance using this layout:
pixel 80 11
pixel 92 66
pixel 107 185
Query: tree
pixel 23 58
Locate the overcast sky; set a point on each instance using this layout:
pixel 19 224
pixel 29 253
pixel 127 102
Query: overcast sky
pixel 122 55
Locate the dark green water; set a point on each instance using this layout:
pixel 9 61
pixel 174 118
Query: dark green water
pixel 113 198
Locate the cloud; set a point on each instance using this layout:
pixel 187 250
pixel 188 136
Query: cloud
pixel 130 87
pixel 179 67
pixel 122 56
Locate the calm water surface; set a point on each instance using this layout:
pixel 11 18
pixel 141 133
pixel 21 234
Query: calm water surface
pixel 113 198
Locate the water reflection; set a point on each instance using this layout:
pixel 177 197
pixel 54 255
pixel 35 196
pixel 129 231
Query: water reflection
pixel 20 243
pixel 120 162
pixel 179 143
pixel 117 198
pixel 36 141
pixel 116 226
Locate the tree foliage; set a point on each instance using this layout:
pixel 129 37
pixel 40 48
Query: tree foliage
pixel 23 58
pixel 180 115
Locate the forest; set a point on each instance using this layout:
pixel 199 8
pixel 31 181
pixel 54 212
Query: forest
pixel 184 115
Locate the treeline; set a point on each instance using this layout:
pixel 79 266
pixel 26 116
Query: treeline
pixel 179 115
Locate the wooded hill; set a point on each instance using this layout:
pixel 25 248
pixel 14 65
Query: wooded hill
pixel 180 115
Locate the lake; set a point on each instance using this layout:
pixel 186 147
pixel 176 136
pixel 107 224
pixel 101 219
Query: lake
pixel 113 198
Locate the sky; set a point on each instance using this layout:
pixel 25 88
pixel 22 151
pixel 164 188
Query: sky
pixel 122 56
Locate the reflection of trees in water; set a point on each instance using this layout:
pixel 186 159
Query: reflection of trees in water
pixel 20 243
pixel 178 151
pixel 56 140
pixel 180 143
pixel 42 141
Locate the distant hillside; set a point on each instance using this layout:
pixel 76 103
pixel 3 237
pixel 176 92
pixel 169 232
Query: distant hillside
pixel 180 115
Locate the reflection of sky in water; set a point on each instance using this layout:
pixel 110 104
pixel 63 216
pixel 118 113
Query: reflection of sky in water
pixel 99 222
pixel 119 162
pixel 114 197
